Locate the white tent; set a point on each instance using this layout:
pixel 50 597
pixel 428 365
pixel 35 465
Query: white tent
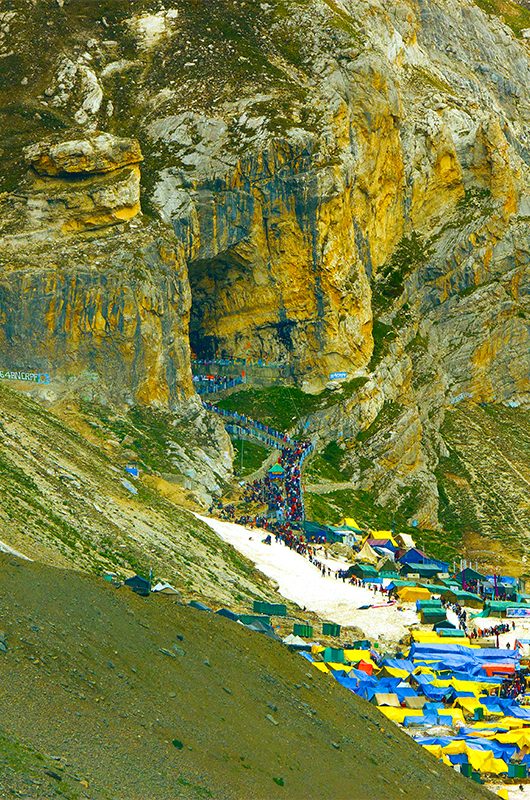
pixel 297 641
pixel 367 554
pixel 165 588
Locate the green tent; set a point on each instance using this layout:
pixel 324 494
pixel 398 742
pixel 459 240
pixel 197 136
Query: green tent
pixel 277 471
pixel 498 608
pixel 464 598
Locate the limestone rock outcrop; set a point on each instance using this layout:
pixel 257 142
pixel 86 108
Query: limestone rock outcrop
pixel 98 152
pixel 337 186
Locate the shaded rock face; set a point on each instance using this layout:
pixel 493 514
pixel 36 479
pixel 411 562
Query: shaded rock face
pixel 85 301
pixel 343 186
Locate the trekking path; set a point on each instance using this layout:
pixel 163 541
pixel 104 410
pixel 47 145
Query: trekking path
pixel 302 582
pixel 292 456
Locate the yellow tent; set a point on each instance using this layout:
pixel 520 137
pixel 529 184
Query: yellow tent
pixel 357 655
pixel 321 666
pixel 399 714
pixel 383 535
pixel 519 737
pixel 484 761
pixel 431 637
pixel 409 594
pixel 469 704
pixel 350 523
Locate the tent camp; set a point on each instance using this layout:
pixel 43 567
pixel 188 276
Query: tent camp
pixel 367 555
pixel 409 594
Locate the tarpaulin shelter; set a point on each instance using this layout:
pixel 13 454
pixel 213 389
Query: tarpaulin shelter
pixel 165 588
pixel 386 699
pixel 315 530
pixel 349 522
pixel 295 641
pixel 499 608
pixel 388 566
pixel 363 571
pixel 404 540
pixel 139 585
pixel 434 588
pixel 431 616
pixel 432 602
pixel 382 544
pixel 409 594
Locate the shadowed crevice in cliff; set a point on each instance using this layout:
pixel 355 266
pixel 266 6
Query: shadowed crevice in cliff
pixel 230 315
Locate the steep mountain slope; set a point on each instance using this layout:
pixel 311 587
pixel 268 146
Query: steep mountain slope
pixel 338 185
pixel 231 715
pixel 62 498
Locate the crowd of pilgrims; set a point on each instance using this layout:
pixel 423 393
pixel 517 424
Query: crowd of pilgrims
pixel 281 495
pixel 493 630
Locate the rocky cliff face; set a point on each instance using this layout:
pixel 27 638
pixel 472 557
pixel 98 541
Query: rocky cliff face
pixel 341 185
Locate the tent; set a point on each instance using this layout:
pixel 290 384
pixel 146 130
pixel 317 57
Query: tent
pixel 367 555
pixel 276 471
pixel 386 699
pixel 363 571
pixel 349 522
pixel 414 702
pixel 315 530
pixel 500 608
pixel 409 594
pixel 423 570
pixel 469 575
pixel 384 544
pixel 295 641
pixel 225 612
pixel 198 605
pixel 165 588
pixel 416 556
pixel 463 598
pixel 139 585
pixel 387 565
pixel 432 616
pixel 405 540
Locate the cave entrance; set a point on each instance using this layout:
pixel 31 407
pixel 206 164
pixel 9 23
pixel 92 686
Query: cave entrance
pixel 219 288
pixel 235 315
